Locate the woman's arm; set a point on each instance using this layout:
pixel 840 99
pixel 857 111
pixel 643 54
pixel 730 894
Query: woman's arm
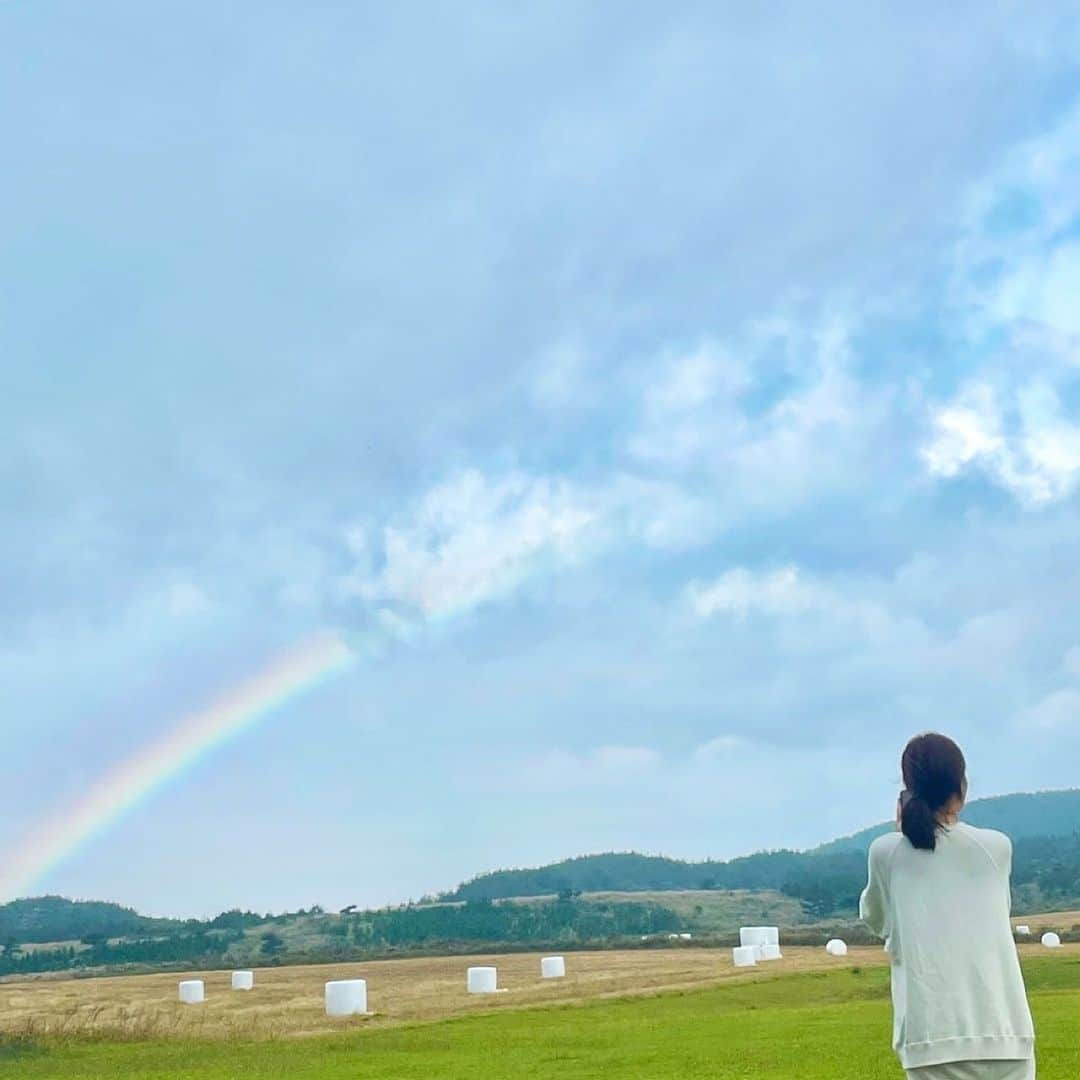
pixel 874 904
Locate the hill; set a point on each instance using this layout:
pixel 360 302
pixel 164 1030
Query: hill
pixel 54 918
pixel 594 900
pixel 1023 817
pixel 631 872
pixel 1043 813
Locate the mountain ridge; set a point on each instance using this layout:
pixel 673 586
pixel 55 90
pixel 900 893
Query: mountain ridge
pixel 1021 815
pixel 817 876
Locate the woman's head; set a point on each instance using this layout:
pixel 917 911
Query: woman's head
pixel 935 776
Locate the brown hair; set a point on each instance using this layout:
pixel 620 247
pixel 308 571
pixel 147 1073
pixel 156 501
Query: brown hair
pixel 934 771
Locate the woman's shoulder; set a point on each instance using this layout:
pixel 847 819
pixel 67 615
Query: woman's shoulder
pixel 883 847
pixel 996 844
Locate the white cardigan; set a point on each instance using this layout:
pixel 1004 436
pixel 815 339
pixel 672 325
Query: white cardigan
pixel 957 990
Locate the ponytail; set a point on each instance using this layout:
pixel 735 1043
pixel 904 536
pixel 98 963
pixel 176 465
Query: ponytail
pixel 918 824
pixel 934 773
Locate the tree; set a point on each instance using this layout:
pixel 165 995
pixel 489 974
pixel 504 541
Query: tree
pixel 272 944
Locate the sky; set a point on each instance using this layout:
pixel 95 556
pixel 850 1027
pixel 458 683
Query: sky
pixel 676 406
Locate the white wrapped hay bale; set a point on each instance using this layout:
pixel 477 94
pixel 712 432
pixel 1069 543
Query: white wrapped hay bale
pixel 552 967
pixel 1051 940
pixel 686 937
pixel 193 991
pixel 772 935
pixel 243 980
pixel 771 952
pixel 346 997
pixel 745 955
pixel 755 937
pixel 482 980
pixel 1024 930
pixel 836 947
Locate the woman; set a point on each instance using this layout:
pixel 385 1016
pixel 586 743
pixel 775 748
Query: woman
pixel 939 895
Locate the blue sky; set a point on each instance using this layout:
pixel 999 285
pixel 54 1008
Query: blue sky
pixel 687 399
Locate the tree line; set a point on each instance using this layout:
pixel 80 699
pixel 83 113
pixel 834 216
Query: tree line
pixel 486 911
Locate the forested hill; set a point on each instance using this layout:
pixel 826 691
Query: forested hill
pixel 1046 874
pixel 586 901
pixel 1045 813
pixel 631 872
pixel 54 918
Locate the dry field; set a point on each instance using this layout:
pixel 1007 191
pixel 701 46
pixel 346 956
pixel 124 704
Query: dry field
pixel 288 1001
pixel 1054 920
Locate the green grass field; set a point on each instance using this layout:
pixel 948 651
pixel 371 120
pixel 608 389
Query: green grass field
pixel 818 1025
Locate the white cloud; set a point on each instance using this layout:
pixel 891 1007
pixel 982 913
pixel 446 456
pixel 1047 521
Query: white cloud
pixel 782 593
pixel 692 380
pixel 476 537
pixel 661 514
pixel 964 432
pixel 697 417
pixel 1015 284
pixel 1035 454
pixel 684 401
pixel 1016 258
pixel 698 457
pixel 742 592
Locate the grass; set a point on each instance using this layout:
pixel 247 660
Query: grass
pixel 813 1025
pixel 717 911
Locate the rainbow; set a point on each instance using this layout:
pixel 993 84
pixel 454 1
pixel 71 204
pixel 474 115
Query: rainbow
pixel 153 766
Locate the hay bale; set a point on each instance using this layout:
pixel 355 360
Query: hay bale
pixel 552 967
pixel 745 955
pixel 346 997
pixel 482 980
